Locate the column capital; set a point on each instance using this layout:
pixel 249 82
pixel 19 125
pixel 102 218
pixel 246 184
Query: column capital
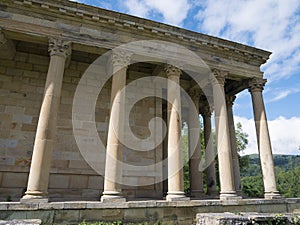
pixel 172 70
pixel 257 84
pixel 59 47
pixel 219 76
pixel 206 110
pixel 120 58
pixel 230 99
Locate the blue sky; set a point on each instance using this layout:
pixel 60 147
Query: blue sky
pixel 273 25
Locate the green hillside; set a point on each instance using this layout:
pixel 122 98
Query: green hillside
pixel 287 168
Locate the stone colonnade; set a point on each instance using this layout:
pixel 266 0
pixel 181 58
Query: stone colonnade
pixel 226 148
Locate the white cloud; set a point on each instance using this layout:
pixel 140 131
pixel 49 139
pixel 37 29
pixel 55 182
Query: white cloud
pixel 284 134
pixel 173 12
pixel 270 24
pixel 279 94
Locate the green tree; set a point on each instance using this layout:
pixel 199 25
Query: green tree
pixel 241 144
pixel 241 141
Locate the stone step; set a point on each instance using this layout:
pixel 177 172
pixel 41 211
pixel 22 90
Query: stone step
pixel 21 222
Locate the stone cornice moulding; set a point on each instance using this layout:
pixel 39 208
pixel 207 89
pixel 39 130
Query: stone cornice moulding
pixel 80 11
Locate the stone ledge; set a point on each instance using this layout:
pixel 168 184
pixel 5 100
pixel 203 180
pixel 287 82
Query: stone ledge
pixel 151 211
pixel 21 222
pixel 7 206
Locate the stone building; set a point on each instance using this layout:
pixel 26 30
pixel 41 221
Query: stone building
pixel 47 47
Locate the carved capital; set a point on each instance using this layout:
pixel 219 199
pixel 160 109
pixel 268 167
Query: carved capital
pixel 59 47
pixel 230 99
pixel 219 77
pixel 172 70
pixel 257 84
pixel 120 58
pixel 206 110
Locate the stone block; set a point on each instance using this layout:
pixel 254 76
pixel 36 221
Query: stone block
pixel 95 182
pixel 59 163
pixel 7 160
pixel 21 57
pixel 41 68
pixel 19 118
pixel 78 181
pixel 32 74
pixel 74 205
pixel 38 60
pixel 113 214
pixel 21 222
pixel 29 127
pixel 15 180
pixel 67 216
pixel 80 164
pixel 14 72
pixel 135 214
pixel 24 66
pixel 8 143
pixel 14 109
pixel 59 181
pixel 91 215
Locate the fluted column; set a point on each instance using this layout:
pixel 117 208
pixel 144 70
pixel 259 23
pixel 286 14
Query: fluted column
pixel 45 135
pixel 175 164
pixel 234 153
pixel 256 86
pixel 114 152
pixel 195 154
pixel 209 152
pixel 223 138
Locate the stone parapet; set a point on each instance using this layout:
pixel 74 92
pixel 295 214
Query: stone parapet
pixel 177 212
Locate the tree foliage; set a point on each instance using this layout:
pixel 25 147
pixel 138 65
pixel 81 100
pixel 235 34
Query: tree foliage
pixel 287 168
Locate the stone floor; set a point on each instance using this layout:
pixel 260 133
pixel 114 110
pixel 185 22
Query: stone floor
pixel 180 212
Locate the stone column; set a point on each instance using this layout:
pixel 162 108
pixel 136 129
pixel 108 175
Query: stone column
pixel 175 171
pixel 195 154
pixel 114 152
pixel 209 152
pixel 256 86
pixel 234 153
pixel 223 139
pixel 46 129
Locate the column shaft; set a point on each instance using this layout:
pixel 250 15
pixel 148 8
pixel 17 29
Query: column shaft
pixel 114 153
pixel 223 139
pixel 46 129
pixel 263 139
pixel 195 154
pixel 175 163
pixel 209 154
pixel 234 153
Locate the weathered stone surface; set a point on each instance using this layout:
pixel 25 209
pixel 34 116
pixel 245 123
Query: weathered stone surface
pixel 21 222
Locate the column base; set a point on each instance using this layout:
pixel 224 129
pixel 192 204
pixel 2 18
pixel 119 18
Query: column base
pixel 272 195
pixel 176 196
pixel 197 194
pixel 112 196
pixel 227 196
pixel 34 197
pixel 213 193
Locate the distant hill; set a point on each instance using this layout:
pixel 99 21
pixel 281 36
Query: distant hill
pixel 284 162
pixel 287 168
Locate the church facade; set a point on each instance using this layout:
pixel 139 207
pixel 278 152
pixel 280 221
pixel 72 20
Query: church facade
pixel 93 103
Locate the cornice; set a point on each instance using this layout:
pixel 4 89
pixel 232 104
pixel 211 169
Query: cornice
pixel 80 11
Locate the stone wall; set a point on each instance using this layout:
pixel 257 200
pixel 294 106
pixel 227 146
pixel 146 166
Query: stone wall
pixel 181 212
pixel 22 83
